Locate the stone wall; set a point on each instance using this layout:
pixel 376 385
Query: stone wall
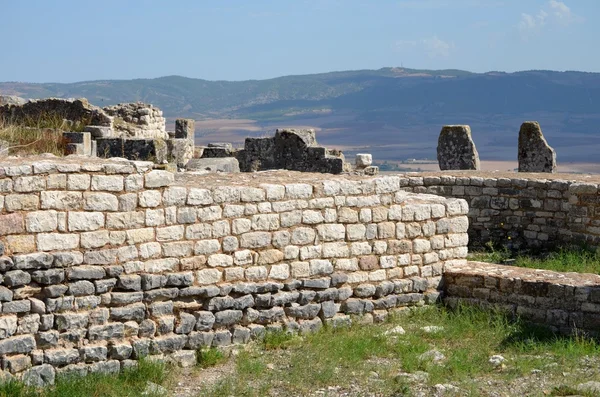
pixel 520 210
pixel 289 149
pixel 137 120
pixel 105 262
pixel 39 111
pixel 567 302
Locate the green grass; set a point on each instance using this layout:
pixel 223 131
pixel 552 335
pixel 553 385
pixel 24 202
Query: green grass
pixel 368 360
pixel 209 357
pixel 131 382
pixel 568 259
pixel 470 336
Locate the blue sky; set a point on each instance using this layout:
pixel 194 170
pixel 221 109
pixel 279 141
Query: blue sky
pixel 75 40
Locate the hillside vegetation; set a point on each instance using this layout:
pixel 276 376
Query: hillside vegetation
pixel 395 113
pixel 368 90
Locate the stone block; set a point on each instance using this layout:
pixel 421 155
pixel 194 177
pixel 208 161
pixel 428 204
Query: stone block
pixel 185 129
pixel 535 155
pixel 109 147
pixel 456 149
pixel 225 164
pixel 154 150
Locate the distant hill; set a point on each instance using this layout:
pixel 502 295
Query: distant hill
pixel 395 112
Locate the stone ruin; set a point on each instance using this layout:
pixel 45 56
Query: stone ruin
pixel 456 149
pixel 535 155
pixel 289 149
pixel 73 111
pixel 135 131
pixel 137 120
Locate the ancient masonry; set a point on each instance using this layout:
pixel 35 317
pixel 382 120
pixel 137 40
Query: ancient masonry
pixel 135 131
pixel 566 302
pixel 535 155
pixel 456 149
pixel 289 149
pixel 106 262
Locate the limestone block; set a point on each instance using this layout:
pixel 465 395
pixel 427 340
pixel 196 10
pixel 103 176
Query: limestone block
pixel 158 178
pixel 535 155
pixel 199 197
pixel 363 160
pixel 85 221
pixel 12 224
pixel 185 129
pixel 456 149
pixel 224 164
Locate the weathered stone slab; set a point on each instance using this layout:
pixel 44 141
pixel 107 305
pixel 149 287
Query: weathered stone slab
pixel 185 129
pixel 4 148
pixel 99 131
pixel 363 160
pixel 217 150
pixel 456 149
pixel 224 164
pixel 109 147
pixel 535 155
pixel 181 151
pixel 154 150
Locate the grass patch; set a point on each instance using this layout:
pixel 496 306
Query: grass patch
pixel 209 357
pixel 38 134
pixel 24 140
pixel 131 382
pixel 368 359
pixel 567 259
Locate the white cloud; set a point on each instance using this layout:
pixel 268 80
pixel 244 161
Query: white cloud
pixel 560 10
pixel 433 46
pixel 437 48
pixel 554 12
pixel 530 22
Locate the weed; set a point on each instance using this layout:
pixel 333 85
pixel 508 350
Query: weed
pixel 278 340
pixel 23 140
pixel 130 382
pixel 209 357
pixel 565 259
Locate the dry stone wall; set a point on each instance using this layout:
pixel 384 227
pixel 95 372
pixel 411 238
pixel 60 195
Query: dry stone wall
pixel 522 210
pixel 566 302
pixel 105 262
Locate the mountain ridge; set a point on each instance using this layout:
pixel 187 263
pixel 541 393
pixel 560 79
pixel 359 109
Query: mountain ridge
pixel 398 110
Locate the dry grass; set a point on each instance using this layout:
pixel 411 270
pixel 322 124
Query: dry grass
pixel 34 137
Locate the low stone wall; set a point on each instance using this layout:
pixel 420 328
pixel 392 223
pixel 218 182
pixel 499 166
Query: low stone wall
pixel 567 302
pixel 520 210
pixel 105 262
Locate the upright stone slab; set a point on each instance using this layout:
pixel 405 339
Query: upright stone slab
pixel 4 148
pixel 456 149
pixel 185 129
pixel 535 155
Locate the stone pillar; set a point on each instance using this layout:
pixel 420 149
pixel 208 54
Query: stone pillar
pixel 456 149
pixel 535 155
pixel 185 129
